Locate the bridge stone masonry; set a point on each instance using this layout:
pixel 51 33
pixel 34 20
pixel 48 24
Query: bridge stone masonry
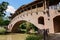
pixel 39 13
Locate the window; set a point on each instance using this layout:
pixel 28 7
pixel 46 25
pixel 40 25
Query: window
pixel 40 5
pixel 29 8
pixel 33 7
pixel 41 20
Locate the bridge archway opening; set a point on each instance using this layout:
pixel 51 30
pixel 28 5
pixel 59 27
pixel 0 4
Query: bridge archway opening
pixel 24 25
pixel 56 22
pixel 41 20
pixel 16 26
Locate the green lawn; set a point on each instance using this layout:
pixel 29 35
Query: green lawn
pixel 13 37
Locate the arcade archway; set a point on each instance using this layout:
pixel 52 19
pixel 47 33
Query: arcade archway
pixel 56 22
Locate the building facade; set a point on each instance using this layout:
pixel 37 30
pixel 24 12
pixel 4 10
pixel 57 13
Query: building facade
pixel 44 14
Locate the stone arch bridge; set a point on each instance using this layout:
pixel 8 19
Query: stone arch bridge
pixel 37 16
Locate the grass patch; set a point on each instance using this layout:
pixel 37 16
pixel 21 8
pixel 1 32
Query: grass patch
pixel 2 30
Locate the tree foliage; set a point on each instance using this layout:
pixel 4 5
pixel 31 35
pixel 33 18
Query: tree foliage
pixel 5 22
pixel 23 25
pixel 28 26
pixel 1 20
pixel 3 7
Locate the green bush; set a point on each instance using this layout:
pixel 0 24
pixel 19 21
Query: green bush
pixel 34 37
pixel 23 27
pixel 2 30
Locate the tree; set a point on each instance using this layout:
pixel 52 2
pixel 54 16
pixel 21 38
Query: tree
pixel 28 26
pixel 3 7
pixel 5 22
pixel 23 25
pixel 1 20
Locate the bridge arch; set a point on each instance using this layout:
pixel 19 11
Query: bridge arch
pixel 30 18
pixel 56 24
pixel 16 25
